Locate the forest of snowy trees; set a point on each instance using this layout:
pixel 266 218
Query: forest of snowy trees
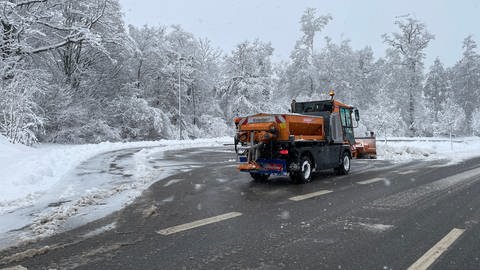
pixel 73 72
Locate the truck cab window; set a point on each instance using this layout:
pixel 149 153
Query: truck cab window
pixel 346 118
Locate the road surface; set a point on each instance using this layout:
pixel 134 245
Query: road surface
pixel 415 215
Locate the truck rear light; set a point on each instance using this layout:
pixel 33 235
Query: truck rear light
pixel 284 152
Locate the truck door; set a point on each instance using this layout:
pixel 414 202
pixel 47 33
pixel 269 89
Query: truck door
pixel 347 125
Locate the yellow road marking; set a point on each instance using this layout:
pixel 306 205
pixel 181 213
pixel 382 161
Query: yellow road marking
pixel 198 223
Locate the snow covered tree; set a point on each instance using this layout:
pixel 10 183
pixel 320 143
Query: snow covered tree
pixel 476 122
pixel 366 78
pixel 383 115
pixel 247 84
pixel 34 27
pixel 466 82
pixel 19 114
pixel 390 89
pixel 451 119
pixel 165 55
pixel 19 35
pixel 87 72
pixel 410 43
pixel 302 74
pixel 436 87
pixel 310 25
pixel 202 90
pixel 336 66
pixel 137 120
pixel 20 85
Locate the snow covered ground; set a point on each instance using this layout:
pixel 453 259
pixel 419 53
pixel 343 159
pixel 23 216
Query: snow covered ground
pixel 53 187
pixel 26 172
pixel 406 149
pixel 49 188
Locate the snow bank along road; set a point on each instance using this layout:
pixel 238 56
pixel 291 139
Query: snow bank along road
pixel 53 188
pixel 417 215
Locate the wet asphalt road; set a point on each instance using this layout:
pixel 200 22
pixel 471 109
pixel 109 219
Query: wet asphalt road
pixel 381 216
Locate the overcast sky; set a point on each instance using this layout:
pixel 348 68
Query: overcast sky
pixel 228 22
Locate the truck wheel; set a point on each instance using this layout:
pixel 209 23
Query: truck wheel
pixel 344 167
pixel 258 177
pixel 305 175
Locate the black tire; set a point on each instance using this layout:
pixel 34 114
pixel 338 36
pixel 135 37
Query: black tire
pixel 305 175
pixel 258 177
pixel 344 167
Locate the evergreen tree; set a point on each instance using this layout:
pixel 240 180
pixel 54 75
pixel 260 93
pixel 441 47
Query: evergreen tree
pixel 436 87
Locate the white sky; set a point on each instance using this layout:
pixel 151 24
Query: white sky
pixel 229 22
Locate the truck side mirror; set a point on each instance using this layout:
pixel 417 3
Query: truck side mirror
pixel 357 115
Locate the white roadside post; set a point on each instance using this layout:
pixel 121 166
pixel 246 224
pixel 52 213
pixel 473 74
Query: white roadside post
pixel 451 142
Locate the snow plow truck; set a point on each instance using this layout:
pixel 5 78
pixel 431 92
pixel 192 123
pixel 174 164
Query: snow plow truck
pixel 314 136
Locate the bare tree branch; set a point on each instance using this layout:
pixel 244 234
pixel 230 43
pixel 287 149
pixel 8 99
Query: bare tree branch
pixel 55 46
pixel 31 2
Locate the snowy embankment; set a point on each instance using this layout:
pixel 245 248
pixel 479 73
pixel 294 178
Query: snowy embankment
pixel 76 177
pixel 407 149
pixel 27 172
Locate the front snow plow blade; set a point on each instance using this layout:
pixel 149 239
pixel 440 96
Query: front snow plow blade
pixel 366 147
